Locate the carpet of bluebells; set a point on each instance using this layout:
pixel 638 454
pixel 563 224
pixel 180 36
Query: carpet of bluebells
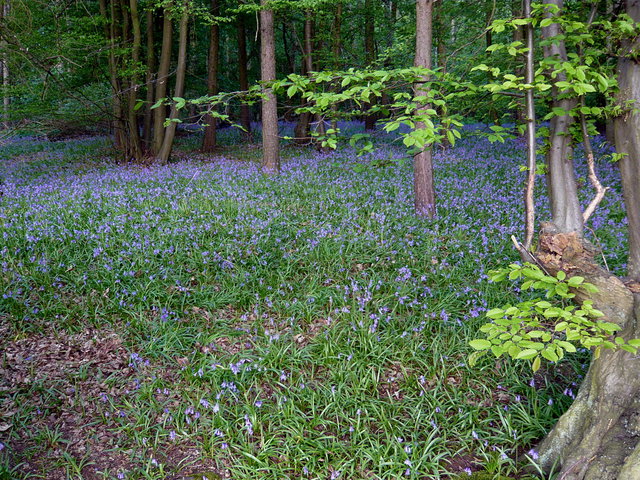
pixel 306 325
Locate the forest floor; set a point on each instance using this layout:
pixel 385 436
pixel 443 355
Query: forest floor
pixel 201 320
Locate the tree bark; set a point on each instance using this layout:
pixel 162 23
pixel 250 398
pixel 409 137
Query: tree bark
pixel 441 37
pixel 336 49
pixel 424 193
pixel 5 9
pixel 529 201
pixel 597 438
pixel 243 77
pixel 210 139
pixel 150 81
pixel 108 12
pixel 561 181
pixel 270 141
pixel 170 131
pixel 301 131
pixel 160 112
pixel 134 143
pixel 627 139
pixel 370 54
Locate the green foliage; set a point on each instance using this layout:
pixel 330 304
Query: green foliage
pixel 546 328
pixel 425 115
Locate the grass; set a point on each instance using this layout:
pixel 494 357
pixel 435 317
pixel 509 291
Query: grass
pixel 204 320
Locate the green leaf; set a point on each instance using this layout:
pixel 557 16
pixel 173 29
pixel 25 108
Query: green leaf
pixel 480 344
pixel 569 347
pixel 550 354
pixel 473 358
pixel 561 275
pixel 526 354
pixel 575 281
pixel 536 364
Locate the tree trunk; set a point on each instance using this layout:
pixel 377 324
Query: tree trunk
pixel 270 141
pixel 133 141
pixel 370 55
pixel 301 131
pixel 5 9
pixel 160 112
pixel 150 80
pixel 425 201
pixel 529 200
pixel 170 131
pixel 336 49
pixel 441 37
pixel 210 139
pixel 627 128
pixel 108 12
pixel 243 77
pixel 561 181
pixel 597 438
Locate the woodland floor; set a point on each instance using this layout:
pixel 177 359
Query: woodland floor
pixel 202 320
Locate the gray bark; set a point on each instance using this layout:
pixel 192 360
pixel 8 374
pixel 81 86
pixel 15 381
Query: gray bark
pixel 162 79
pixel 270 140
pixel 210 139
pixel 561 181
pixel 627 139
pixel 529 203
pixel 424 193
pixel 598 437
pixel 170 131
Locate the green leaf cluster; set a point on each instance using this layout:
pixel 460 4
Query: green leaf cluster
pixel 548 325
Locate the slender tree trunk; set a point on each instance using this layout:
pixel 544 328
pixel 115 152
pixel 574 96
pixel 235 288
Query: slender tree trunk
pixel 160 112
pixel 561 182
pixel 301 131
pixel 270 141
pixel 210 138
pixel 5 10
pixel 107 11
pixel 441 37
pixel 150 80
pixel 529 204
pixel 336 50
pixel 370 54
pixel 134 145
pixel 170 131
pixel 243 77
pixel 424 192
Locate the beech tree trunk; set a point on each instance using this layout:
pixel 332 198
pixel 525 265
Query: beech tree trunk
pixel 243 77
pixel 160 112
pixel 170 131
pixel 424 192
pixel 210 139
pixel 561 179
pixel 5 8
pixel 626 129
pixel 134 140
pixel 270 141
pixel 370 54
pixel 301 131
pixel 150 81
pixel 336 50
pixel 598 437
